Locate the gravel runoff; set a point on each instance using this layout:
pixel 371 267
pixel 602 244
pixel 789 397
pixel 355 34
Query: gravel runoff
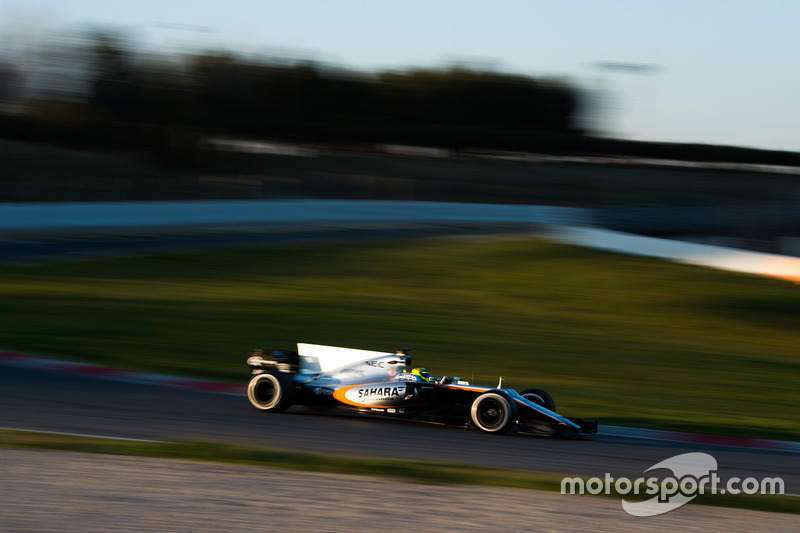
pixel 65 491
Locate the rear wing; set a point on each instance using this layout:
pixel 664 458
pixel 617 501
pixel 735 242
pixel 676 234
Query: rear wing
pixel 315 358
pixel 319 359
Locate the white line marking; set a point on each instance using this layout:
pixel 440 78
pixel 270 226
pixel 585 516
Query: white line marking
pixel 84 435
pixel 775 446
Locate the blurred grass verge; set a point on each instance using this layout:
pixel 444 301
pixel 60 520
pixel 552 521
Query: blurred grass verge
pixel 414 471
pixel 628 340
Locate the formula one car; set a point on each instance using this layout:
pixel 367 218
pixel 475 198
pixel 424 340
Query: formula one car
pixel 380 383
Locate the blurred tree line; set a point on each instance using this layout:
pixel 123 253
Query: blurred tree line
pixel 161 103
pixel 101 92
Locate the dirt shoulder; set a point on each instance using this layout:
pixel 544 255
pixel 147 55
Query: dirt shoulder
pixel 65 491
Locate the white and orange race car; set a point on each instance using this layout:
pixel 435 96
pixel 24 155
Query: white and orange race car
pixel 381 383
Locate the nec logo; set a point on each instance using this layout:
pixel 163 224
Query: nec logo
pixel 376 364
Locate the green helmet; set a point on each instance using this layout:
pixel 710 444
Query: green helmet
pixel 422 373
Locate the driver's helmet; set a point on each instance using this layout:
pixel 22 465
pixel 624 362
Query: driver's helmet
pixel 422 373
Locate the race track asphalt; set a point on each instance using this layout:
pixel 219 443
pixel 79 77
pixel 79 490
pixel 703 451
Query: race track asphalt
pixel 41 400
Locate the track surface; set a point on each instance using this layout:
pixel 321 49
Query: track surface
pixel 48 401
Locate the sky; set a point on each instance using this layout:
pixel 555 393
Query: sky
pixel 719 71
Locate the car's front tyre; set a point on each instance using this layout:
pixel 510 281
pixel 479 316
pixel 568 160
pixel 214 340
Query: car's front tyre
pixel 270 391
pixel 493 412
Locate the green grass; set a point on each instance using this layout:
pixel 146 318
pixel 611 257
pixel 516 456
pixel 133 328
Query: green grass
pixel 415 471
pixel 627 340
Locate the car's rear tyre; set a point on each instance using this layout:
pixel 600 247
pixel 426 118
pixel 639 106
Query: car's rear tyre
pixel 539 397
pixel 270 391
pixel 493 412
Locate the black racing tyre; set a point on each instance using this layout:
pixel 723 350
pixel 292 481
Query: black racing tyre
pixel 539 397
pixel 270 391
pixel 493 412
